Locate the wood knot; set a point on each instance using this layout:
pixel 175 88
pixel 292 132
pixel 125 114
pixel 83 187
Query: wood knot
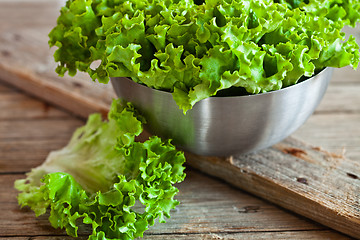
pixel 5 53
pixel 296 152
pixel 351 175
pixel 302 180
pixel 77 85
pixel 249 209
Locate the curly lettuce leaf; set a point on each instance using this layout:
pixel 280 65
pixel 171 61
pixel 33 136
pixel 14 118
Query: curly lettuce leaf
pixel 103 178
pixel 194 49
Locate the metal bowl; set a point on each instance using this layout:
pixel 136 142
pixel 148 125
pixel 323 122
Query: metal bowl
pixel 222 126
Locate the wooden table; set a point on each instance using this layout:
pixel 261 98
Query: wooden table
pixel 209 209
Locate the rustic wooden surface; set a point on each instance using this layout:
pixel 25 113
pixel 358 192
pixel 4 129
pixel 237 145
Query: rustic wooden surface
pixel 210 209
pixel 308 180
pixel 24 54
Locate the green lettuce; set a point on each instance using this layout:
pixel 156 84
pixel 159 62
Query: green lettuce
pixel 103 178
pixel 195 48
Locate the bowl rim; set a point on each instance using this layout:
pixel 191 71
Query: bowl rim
pixel 288 88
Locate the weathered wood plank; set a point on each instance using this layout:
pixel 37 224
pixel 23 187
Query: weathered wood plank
pixel 211 206
pixel 17 222
pixel 319 185
pixel 42 136
pixel 340 98
pixel 319 235
pixel 16 105
pixel 338 133
pixel 22 155
pixel 214 206
pixel 40 88
pixel 27 63
pixel 345 75
pixel 205 222
pixel 38 129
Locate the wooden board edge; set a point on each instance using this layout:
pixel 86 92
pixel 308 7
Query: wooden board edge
pixel 73 103
pixel 263 187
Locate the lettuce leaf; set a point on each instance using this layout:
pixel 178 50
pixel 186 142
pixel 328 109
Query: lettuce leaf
pixel 103 178
pixel 194 49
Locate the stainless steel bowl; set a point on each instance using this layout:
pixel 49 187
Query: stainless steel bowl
pixel 222 126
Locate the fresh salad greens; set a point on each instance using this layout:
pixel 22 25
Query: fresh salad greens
pixel 105 179
pixel 194 48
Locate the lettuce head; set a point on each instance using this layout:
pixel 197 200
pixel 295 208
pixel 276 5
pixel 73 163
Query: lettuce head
pixel 195 48
pixel 106 180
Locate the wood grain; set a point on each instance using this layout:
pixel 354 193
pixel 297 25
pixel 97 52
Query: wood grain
pixel 209 208
pixel 304 235
pixel 25 55
pixel 309 181
pixel 340 98
pixel 15 105
pixel 315 186
pixel 24 154
pixel 338 133
pixel 54 128
pixel 215 208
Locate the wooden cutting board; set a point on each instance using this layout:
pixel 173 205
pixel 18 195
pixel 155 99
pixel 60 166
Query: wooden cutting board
pixel 308 180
